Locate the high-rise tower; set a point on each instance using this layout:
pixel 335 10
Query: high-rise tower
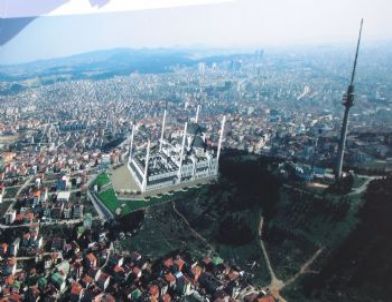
pixel 348 102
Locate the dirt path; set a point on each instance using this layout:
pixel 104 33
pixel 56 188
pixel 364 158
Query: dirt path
pixel 305 267
pixel 193 231
pixel 364 186
pixel 274 279
pixel 276 284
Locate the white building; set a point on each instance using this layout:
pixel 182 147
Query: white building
pixel 2 190
pixel 10 217
pixel 176 160
pixel 63 196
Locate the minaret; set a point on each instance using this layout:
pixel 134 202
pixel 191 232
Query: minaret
pixel 220 144
pixel 197 114
pixel 131 146
pixel 163 130
pixel 144 184
pixel 348 102
pixel 182 152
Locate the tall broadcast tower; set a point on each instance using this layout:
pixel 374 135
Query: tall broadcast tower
pixel 348 102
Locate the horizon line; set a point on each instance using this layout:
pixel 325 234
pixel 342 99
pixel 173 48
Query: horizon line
pixel 202 47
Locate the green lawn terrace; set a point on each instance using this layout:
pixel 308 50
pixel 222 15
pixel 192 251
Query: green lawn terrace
pixel 123 206
pixel 101 180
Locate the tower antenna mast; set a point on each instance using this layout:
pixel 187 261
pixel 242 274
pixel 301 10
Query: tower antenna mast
pixel 348 102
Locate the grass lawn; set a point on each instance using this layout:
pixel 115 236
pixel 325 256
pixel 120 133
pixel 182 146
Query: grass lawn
pixel 102 180
pixel 111 201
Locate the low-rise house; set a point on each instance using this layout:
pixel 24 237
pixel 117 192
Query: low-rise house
pixel 14 248
pixel 9 267
pixel 136 272
pixel 10 217
pixel 58 280
pixel 103 280
pixel 78 211
pixel 3 249
pixel 91 260
pixel 63 196
pixel 76 292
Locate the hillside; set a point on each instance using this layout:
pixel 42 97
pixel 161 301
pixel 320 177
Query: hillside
pixel 321 247
pixel 105 64
pixel 228 212
pixel 303 232
pixel 221 218
pixel 360 269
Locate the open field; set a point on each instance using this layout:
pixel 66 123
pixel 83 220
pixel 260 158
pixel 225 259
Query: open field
pixel 110 200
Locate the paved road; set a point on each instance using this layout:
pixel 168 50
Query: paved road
pixel 44 223
pixel 102 211
pixel 25 184
pixel 13 200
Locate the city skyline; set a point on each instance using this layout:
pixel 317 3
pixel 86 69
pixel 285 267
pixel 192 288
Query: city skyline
pixel 233 24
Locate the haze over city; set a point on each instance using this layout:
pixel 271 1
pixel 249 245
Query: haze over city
pixel 221 24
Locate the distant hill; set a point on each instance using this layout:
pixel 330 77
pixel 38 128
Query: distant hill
pixel 108 63
pixel 98 64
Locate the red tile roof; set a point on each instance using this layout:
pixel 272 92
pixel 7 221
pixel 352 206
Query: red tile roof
pixel 76 288
pixel 166 298
pixel 170 277
pixel 180 262
pixel 268 298
pixel 168 262
pixel 154 290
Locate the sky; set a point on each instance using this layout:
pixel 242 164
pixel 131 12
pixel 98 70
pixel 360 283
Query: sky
pixel 107 24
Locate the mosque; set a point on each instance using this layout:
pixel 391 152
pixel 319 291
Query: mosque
pixel 175 160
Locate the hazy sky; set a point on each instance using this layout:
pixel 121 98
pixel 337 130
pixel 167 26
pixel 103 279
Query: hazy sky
pixel 237 23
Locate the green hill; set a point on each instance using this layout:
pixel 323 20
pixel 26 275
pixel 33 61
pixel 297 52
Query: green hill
pixel 361 268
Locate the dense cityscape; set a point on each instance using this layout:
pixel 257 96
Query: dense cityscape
pixel 56 138
pixel 67 134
